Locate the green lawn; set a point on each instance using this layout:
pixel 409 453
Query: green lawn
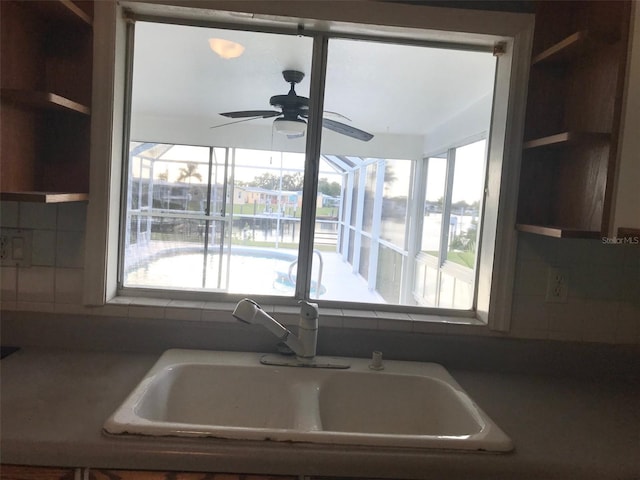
pixel 466 259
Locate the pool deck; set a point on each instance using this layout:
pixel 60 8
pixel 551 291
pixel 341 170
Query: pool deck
pixel 342 283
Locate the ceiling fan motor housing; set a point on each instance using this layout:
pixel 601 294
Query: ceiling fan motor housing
pixel 292 104
pixel 292 76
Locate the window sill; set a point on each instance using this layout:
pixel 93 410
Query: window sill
pixel 200 311
pixel 220 312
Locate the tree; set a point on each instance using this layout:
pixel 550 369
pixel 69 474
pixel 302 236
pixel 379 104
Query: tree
pixel 290 183
pixel 459 206
pixel 189 172
pixel 332 189
pixel 389 175
pixel 163 176
pixel 266 180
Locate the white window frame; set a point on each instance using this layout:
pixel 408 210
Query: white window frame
pixel 512 31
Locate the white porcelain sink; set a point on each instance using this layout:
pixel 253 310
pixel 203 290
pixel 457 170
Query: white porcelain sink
pixel 197 394
pixel 231 395
pixel 396 405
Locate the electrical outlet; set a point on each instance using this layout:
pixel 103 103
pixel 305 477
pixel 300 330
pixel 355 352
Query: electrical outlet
pixel 4 247
pixel 557 286
pixel 15 247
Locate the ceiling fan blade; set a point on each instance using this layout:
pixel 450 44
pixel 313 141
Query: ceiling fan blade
pixel 347 130
pixel 305 114
pixel 252 113
pixel 237 121
pixel 336 114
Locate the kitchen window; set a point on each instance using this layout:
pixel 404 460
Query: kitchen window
pixel 294 202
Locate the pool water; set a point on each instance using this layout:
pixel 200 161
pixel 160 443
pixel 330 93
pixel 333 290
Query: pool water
pixel 248 274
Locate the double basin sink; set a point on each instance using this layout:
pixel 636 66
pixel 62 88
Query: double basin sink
pixel 231 395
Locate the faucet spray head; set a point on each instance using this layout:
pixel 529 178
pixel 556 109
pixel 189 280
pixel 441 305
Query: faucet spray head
pixel 248 311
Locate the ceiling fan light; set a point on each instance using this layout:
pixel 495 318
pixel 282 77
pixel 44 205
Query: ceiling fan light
pixel 226 48
pixel 290 127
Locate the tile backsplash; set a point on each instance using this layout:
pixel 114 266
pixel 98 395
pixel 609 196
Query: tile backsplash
pixel 602 304
pixel 603 282
pixel 57 256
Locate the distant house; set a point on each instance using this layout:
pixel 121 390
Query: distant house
pixel 251 195
pixel 270 198
pixel 327 200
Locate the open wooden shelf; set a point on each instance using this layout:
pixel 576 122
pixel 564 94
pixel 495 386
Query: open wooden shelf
pixel 61 11
pixel 43 197
pixel 564 139
pixel 570 48
pixel 563 51
pixel 47 56
pixel 572 123
pixel 43 100
pixel 557 232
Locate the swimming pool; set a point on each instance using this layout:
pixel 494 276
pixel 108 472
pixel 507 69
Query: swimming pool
pixel 248 270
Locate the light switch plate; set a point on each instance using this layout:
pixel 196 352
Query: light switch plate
pixel 15 247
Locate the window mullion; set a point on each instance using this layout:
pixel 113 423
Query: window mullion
pixel 229 182
pixel 207 222
pixel 357 241
pixel 446 207
pixel 413 234
pixel 376 224
pixel 348 202
pixel 446 219
pixel 312 167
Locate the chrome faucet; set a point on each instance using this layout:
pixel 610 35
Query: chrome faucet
pixel 303 345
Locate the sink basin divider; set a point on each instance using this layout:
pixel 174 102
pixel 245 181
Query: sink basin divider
pixel 307 416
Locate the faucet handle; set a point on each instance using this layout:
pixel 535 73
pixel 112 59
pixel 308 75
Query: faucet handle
pixel 308 310
pixel 308 328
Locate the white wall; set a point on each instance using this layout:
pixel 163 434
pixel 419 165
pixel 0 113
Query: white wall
pixel 468 123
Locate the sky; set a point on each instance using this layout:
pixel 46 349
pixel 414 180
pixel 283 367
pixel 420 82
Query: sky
pixel 468 175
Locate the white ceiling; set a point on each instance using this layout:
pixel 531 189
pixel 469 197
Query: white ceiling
pixel 382 88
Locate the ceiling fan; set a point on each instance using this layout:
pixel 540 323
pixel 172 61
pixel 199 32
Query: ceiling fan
pixel 294 110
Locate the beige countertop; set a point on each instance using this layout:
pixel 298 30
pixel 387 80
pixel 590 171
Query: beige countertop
pixel 54 402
